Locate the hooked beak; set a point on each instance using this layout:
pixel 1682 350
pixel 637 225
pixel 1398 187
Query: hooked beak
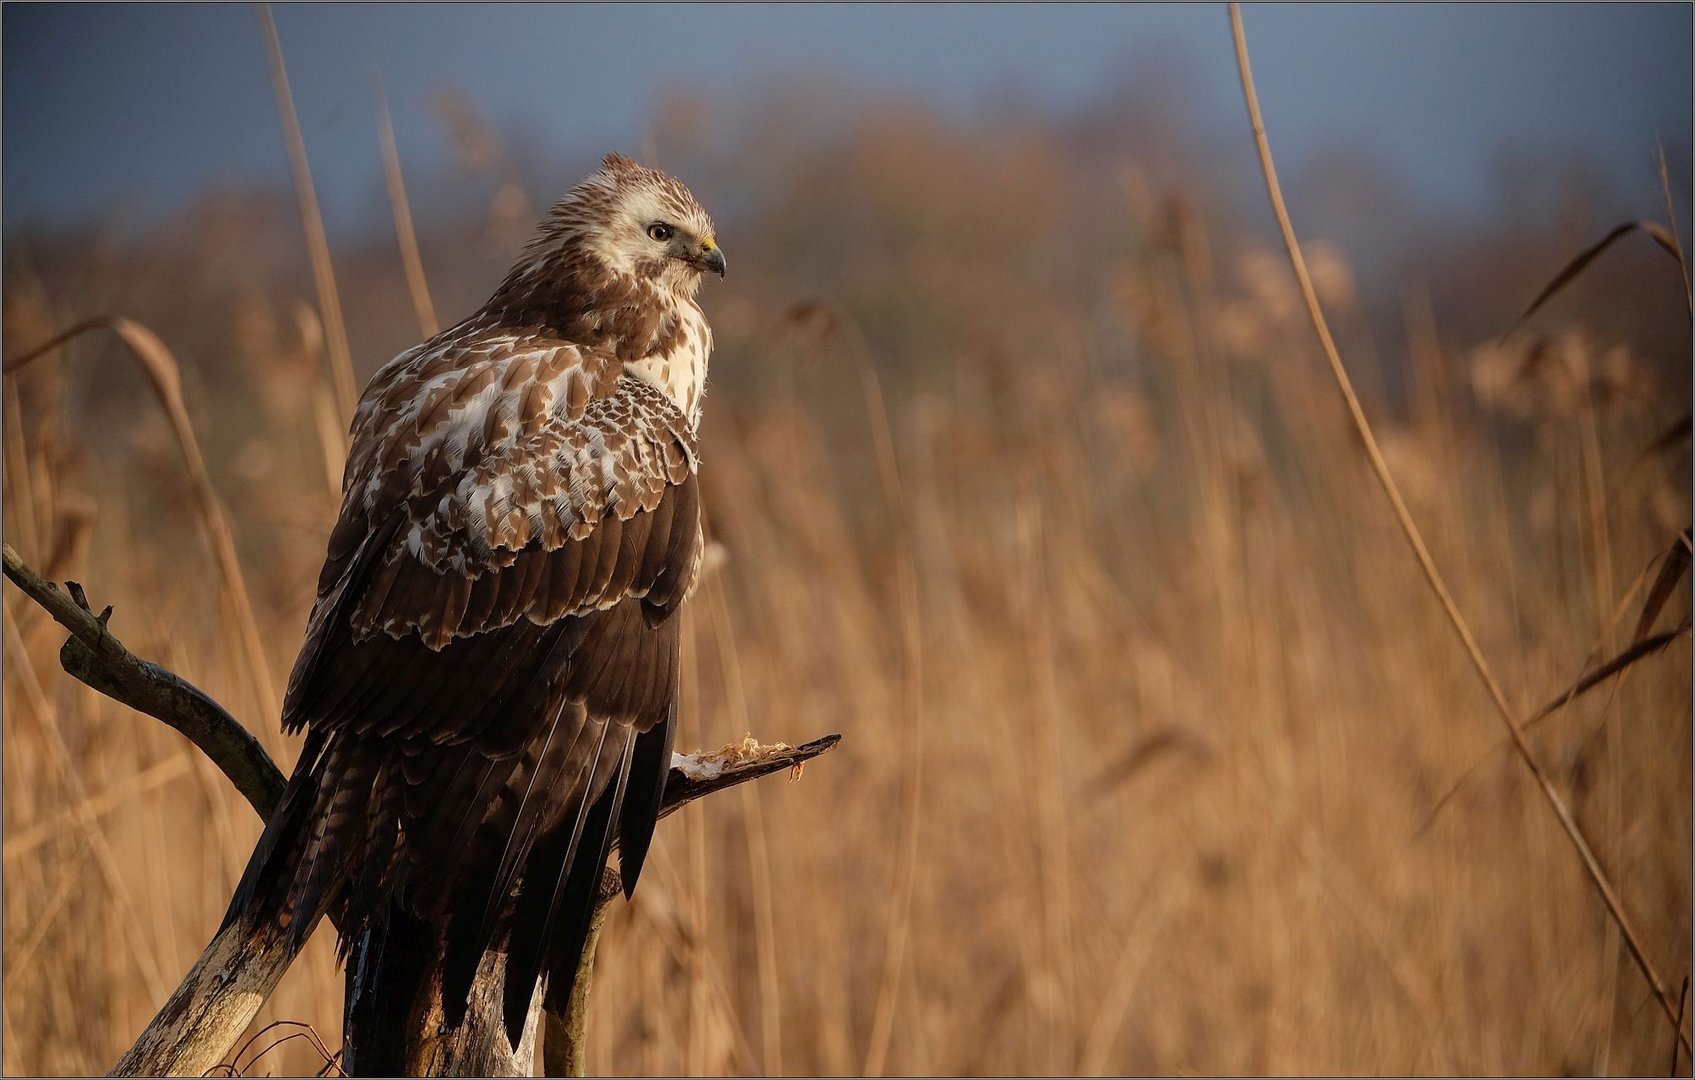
pixel 710 257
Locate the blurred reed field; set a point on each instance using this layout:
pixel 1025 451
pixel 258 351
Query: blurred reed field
pixel 1027 476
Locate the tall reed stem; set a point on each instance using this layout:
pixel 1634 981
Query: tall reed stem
pixel 1556 802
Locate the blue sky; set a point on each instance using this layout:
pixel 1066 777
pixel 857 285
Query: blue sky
pixel 138 107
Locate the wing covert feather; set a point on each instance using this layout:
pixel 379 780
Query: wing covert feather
pixel 568 508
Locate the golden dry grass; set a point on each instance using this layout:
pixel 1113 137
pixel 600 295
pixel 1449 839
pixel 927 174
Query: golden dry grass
pixel 1052 511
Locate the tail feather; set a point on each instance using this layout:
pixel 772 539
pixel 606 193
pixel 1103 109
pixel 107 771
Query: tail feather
pixel 442 854
pixel 650 765
pixel 461 803
pixel 340 824
pixel 570 889
pixel 336 807
pixel 388 963
pixel 551 776
pixel 271 866
pixel 557 769
pixel 381 848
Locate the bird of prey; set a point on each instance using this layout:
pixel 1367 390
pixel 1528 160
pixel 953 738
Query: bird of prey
pixel 489 679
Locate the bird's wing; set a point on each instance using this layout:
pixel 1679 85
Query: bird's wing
pixel 505 494
pixel 491 650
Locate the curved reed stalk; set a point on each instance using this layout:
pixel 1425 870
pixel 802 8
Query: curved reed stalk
pixel 317 246
pixel 912 652
pixel 404 234
pixel 1556 802
pixel 162 371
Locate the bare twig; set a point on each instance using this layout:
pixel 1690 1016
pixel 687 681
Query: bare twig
pixel 304 1031
pixel 1415 540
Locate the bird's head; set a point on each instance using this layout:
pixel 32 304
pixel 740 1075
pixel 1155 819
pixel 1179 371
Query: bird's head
pixel 635 222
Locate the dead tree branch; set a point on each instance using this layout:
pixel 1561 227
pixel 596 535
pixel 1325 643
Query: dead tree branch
pixel 94 657
pixel 217 999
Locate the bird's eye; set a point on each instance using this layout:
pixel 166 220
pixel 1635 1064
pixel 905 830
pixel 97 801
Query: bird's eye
pixel 661 232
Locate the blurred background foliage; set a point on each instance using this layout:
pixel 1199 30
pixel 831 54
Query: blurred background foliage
pixel 1024 473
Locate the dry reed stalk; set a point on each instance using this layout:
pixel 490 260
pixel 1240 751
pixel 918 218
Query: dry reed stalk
pixel 9 1043
pixel 162 371
pixel 1622 662
pixel 97 658
pixel 1373 925
pixel 765 926
pixel 407 237
pixel 1595 489
pixel 712 989
pixel 98 805
pixel 692 956
pixel 1577 263
pixel 332 432
pixel 1674 562
pixel 687 937
pixel 906 584
pixel 1126 974
pixel 1640 650
pixel 1671 223
pixel 758 850
pixel 1600 550
pixel 317 245
pixel 22 958
pixel 1591 864
pixel 1053 856
pixel 17 466
pixel 1682 1003
pixel 47 725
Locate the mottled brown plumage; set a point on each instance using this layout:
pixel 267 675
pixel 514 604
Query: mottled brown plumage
pixel 490 670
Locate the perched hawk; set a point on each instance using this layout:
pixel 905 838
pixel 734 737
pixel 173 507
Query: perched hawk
pixel 489 678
